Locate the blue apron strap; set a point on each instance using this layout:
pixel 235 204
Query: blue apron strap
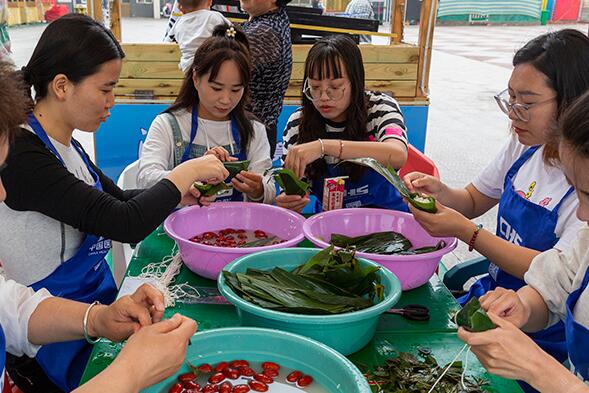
pixel 40 132
pixel 517 165
pixel 569 192
pixel 193 131
pixel 237 139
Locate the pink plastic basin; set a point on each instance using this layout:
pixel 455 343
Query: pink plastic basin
pixel 412 270
pixel 209 261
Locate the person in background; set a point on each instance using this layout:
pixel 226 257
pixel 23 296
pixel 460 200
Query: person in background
pixel 175 14
pixel 28 318
pixel 339 119
pixel 361 9
pixel 557 290
pixel 61 211
pixel 209 117
pixel 194 26
pixel 268 33
pixel 536 202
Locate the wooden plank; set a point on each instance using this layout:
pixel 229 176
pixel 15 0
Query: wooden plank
pixel 398 53
pixel 373 71
pixel 152 52
pixel 171 87
pixel 151 70
pixel 115 19
pixel 426 36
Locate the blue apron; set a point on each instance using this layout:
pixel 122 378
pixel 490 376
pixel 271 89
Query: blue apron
pixel 577 335
pixel 2 359
pixel 190 153
pixel 370 190
pixel 528 225
pixel 85 277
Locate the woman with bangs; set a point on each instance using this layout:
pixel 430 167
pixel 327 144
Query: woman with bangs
pixel 209 118
pixel 339 120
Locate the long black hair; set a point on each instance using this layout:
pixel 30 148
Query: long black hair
pixel 563 57
pixel 74 45
pixel 575 126
pixel 208 59
pixel 328 58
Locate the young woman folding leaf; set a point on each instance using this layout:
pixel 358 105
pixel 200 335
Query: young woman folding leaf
pixel 289 182
pixel 473 318
pixel 425 203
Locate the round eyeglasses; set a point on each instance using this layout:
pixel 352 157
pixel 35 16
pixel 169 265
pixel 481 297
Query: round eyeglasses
pixel 314 93
pixel 521 111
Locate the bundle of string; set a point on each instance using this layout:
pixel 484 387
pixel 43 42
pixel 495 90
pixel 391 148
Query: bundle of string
pixel 164 274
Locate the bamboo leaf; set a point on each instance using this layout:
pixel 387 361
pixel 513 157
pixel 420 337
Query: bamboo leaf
pixel 211 189
pixel 473 318
pixel 234 167
pixel 289 182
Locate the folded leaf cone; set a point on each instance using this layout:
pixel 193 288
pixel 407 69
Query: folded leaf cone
pixel 473 318
pixel 289 182
pixel 234 167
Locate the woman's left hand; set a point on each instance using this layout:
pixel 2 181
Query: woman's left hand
pixel 446 222
pixel 299 156
pixel 249 183
pixel 507 351
pixel 127 315
pixel 221 153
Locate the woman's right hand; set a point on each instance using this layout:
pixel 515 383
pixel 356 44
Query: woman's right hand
pixel 292 202
pixel 507 304
pixel 424 184
pixel 157 351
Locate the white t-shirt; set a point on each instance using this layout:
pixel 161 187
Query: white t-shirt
pixel 157 154
pixel 191 30
pixel 540 183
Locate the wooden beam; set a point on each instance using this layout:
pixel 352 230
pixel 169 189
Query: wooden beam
pixel 115 20
pixel 96 10
pixel 398 23
pixel 426 36
pixel 398 53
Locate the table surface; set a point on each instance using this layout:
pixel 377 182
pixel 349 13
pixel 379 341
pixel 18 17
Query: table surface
pixel 394 333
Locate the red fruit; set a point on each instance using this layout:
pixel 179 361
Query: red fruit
pixel 270 366
pixel 221 366
pixel 241 236
pixel 241 389
pixel 176 388
pixel 270 372
pixel 191 385
pixel 305 380
pixel 231 373
pixel 240 363
pixel 294 376
pixel 186 377
pixel 205 368
pixel 210 389
pixel 209 235
pixel 216 378
pixel 246 371
pixel 260 234
pixel 258 386
pixel 225 387
pixel 263 378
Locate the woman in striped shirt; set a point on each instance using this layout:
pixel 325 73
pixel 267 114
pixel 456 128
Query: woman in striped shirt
pixel 339 120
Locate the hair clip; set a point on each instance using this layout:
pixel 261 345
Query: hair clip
pixel 230 32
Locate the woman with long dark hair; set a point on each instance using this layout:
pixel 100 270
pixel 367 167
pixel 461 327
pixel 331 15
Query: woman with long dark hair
pixel 537 204
pixel 339 119
pixel 61 211
pixel 209 117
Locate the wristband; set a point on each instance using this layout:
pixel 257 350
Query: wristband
pixel 474 237
pixel 322 148
pixel 89 339
pixel 341 149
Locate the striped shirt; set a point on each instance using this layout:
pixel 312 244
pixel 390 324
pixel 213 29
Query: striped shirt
pixel 385 121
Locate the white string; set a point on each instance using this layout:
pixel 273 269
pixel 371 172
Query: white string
pixel 464 370
pixel 164 274
pixel 448 368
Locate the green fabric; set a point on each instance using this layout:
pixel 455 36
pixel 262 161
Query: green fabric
pixel 394 333
pixel 530 8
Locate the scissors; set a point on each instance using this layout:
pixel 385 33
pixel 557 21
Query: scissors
pixel 413 312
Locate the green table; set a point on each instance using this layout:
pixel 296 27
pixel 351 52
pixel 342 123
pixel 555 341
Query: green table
pixel 394 333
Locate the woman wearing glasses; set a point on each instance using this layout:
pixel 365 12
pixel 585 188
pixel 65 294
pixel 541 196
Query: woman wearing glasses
pixel 338 120
pixel 536 203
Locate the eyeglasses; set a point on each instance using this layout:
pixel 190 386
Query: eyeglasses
pixel 314 93
pixel 521 111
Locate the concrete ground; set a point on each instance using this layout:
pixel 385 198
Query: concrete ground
pixel 469 65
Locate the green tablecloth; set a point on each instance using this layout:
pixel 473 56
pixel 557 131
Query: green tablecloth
pixel 394 333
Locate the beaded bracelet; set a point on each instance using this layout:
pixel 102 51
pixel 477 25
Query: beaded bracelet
pixel 89 339
pixel 474 237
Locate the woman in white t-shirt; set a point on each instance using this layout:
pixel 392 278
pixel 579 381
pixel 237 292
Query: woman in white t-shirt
pixel 208 117
pixel 536 203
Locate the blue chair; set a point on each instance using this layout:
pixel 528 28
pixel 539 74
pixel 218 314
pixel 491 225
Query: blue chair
pixel 455 278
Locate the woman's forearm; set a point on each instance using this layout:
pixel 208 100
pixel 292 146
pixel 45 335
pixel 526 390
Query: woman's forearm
pixel 392 152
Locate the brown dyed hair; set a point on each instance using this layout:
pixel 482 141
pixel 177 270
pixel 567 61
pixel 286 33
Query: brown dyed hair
pixel 208 60
pixel 574 127
pixel 14 102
